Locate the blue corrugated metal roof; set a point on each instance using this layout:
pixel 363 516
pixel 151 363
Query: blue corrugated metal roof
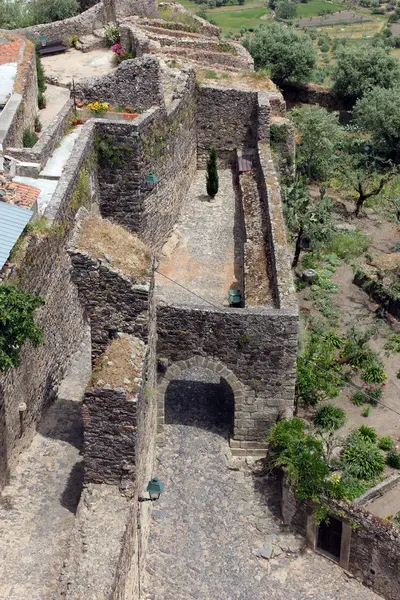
pixel 13 220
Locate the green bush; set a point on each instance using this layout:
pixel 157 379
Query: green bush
pixel 38 125
pixel 393 459
pixel 367 433
pixel 348 244
pixel 366 412
pixel 29 139
pixel 41 101
pixel 373 373
pixel 18 324
pixel 362 458
pixel 43 11
pixel 112 34
pixel 386 443
pixel 392 344
pixel 41 81
pixel 358 398
pixel 329 417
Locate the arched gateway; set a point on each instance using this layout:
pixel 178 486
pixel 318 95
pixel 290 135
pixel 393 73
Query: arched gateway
pixel 238 389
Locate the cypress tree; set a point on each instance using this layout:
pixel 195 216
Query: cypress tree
pixel 212 174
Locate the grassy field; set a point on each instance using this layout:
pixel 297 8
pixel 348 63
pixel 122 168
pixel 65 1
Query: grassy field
pixel 311 9
pixel 233 18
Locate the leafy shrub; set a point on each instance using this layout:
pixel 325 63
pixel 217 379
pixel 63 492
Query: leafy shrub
pixel 29 139
pixel 38 125
pixel 386 443
pixel 112 34
pixel 43 11
pixel 393 459
pixel 41 101
pixel 347 487
pixel 211 74
pixel 373 394
pixel 367 433
pixel 392 344
pixel 41 81
pixel 374 373
pixel 362 458
pixel 366 412
pixel 358 398
pixel 348 244
pixel 18 324
pixel 329 417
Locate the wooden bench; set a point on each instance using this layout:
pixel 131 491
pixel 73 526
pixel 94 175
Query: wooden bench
pixel 55 47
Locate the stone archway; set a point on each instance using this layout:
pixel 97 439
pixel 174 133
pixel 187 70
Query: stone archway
pixel 210 364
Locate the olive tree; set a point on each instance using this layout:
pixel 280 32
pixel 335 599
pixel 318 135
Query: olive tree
pixel 378 112
pixel 288 54
pixel 361 67
pixel 45 11
pixel 318 131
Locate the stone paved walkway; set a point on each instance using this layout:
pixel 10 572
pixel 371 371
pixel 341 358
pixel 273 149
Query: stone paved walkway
pixel 204 252
pixel 37 508
pixel 211 520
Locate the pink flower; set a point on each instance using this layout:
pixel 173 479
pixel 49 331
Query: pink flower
pixel 383 384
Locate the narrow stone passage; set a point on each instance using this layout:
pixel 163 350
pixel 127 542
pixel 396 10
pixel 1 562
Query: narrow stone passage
pixel 205 251
pixel 37 508
pixel 215 516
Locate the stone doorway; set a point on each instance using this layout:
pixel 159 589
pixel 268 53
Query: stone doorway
pixel 200 392
pixel 329 539
pixel 200 398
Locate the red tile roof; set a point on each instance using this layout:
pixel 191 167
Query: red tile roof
pixel 20 194
pixel 10 51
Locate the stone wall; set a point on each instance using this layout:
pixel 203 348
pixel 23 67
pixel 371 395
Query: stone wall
pixel 311 93
pixel 44 270
pixel 370 547
pixel 82 24
pixel 226 120
pixel 283 147
pixel 42 150
pixel 158 142
pixel 135 83
pixel 20 111
pixel 258 346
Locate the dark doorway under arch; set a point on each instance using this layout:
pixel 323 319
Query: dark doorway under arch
pixel 198 397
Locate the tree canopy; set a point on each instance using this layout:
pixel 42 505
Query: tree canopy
pixel 361 67
pixel 379 113
pixel 288 54
pixel 20 13
pixel 319 131
pixel 17 324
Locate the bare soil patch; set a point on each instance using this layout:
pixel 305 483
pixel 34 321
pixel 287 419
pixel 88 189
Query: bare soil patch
pixel 121 365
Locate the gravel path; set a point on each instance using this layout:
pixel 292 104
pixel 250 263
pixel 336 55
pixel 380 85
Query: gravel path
pixel 212 520
pixel 37 508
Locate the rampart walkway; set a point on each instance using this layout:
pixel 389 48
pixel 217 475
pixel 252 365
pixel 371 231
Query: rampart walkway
pixel 37 508
pixel 204 252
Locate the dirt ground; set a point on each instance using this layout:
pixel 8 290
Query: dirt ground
pixel 357 309
pixel 78 65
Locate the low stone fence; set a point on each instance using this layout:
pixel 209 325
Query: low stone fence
pixel 84 23
pixel 370 546
pixel 21 109
pixel 44 148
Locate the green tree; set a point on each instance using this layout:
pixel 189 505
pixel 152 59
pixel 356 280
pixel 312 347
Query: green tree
pixel 364 172
pixel 306 218
pixel 14 14
pixel 361 67
pixel 17 324
pixel 287 53
pixel 212 174
pixel 319 131
pixel 285 9
pixel 45 11
pixel 378 112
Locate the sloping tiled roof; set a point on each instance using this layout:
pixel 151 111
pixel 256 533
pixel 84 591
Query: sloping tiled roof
pixel 13 220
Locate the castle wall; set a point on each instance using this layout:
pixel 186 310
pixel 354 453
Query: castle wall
pixel 158 142
pixel 257 345
pixel 112 302
pixel 44 270
pixel 370 546
pixel 136 83
pixel 226 120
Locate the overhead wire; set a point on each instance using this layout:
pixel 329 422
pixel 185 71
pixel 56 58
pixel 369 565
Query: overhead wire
pixel 322 370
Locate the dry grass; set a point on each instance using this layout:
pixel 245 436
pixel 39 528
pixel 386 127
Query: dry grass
pixel 121 364
pixel 125 251
pixel 246 80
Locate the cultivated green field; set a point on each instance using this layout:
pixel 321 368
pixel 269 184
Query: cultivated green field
pixel 233 18
pixel 313 8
